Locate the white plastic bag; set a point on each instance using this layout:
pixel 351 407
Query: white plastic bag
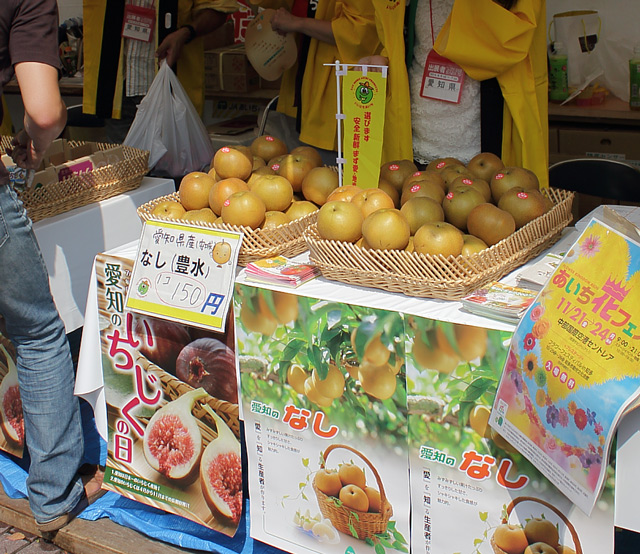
pixel 168 126
pixel 580 32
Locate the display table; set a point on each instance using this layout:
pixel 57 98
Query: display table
pixel 90 381
pixel 69 242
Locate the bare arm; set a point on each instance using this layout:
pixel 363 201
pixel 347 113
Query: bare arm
pixel 45 114
pixel 203 23
pixel 285 22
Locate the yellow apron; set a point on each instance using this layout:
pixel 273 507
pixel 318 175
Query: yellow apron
pixel 100 32
pixel 488 41
pixel 397 143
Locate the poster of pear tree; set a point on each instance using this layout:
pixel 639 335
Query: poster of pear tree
pixel 324 402
pixel 472 491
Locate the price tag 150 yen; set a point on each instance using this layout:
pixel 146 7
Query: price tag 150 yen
pixel 184 273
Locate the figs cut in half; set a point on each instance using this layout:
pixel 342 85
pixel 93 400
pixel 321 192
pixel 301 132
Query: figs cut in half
pixel 221 473
pixel 11 418
pixel 172 440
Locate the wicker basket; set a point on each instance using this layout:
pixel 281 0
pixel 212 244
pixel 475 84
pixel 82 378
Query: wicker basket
pixel 85 188
pixel 365 524
pixel 285 240
pixel 174 388
pixel 512 505
pixel 436 276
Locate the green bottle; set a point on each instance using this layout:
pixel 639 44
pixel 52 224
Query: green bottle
pixel 558 80
pixel 634 79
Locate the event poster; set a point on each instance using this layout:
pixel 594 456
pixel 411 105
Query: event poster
pixel 11 419
pixel 324 405
pixel 172 406
pixel 472 491
pixel 572 368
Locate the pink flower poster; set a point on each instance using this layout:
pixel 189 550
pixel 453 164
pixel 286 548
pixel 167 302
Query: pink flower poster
pixel 572 367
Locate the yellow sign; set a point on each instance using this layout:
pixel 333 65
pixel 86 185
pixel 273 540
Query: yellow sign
pixel 363 101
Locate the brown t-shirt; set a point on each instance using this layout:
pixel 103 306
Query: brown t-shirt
pixel 28 33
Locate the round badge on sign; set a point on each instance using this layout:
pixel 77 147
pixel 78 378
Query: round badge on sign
pixel 269 52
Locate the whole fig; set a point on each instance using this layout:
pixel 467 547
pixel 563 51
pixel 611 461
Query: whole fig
pixel 160 340
pixel 11 417
pixel 172 441
pixel 210 364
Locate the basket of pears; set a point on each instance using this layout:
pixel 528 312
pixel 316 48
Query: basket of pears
pixel 442 232
pixel 265 191
pixel 344 497
pixel 538 535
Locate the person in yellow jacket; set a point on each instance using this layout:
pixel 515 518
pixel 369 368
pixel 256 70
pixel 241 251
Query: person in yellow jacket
pixel 489 41
pixel 118 69
pixel 348 31
pixel 397 141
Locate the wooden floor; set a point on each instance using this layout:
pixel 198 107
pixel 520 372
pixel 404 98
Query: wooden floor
pixel 85 537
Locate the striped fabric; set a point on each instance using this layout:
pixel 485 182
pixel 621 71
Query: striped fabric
pixel 140 59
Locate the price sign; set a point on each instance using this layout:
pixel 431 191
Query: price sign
pixel 184 273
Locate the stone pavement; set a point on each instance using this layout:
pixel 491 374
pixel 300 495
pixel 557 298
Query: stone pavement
pixel 14 541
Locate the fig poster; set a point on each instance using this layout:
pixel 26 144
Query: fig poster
pixel 172 405
pixel 324 405
pixel 472 491
pixel 11 419
pixel 572 368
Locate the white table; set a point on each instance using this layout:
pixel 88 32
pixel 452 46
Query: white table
pixel 89 382
pixel 70 241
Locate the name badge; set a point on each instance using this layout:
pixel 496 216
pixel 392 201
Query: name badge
pixel 442 79
pixel 138 23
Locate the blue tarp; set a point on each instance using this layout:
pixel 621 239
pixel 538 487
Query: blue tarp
pixel 149 521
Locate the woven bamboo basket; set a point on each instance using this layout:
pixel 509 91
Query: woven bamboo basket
pixel 570 527
pixel 174 388
pixel 85 188
pixel 285 240
pixel 365 524
pixel 448 278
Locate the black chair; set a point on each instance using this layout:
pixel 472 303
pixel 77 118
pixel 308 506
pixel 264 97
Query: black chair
pixel 599 177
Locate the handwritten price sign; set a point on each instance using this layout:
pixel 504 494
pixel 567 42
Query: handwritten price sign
pixel 185 273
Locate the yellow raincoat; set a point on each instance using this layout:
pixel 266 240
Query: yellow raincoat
pixel 104 62
pixel 488 41
pixel 356 28
pixel 397 143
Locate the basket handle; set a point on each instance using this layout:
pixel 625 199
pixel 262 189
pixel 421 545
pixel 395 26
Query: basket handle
pixel 572 529
pixel 383 495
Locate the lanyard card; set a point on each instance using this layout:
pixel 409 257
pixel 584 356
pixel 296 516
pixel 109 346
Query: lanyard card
pixel 442 79
pixel 138 23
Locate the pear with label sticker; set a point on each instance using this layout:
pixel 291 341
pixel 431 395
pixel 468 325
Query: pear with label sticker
pixel 512 176
pixel 523 205
pixel 269 52
pixel 397 172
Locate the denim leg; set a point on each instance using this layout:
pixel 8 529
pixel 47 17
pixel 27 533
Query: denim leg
pixel 53 426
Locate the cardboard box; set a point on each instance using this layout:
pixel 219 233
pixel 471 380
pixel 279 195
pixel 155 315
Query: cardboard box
pixel 227 69
pixel 222 36
pixel 270 85
pixel 553 140
pixel 616 145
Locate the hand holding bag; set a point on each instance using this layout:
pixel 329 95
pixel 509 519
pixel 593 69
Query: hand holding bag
pixel 168 126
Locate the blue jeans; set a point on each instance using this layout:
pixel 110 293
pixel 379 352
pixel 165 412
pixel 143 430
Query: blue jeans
pixel 53 427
